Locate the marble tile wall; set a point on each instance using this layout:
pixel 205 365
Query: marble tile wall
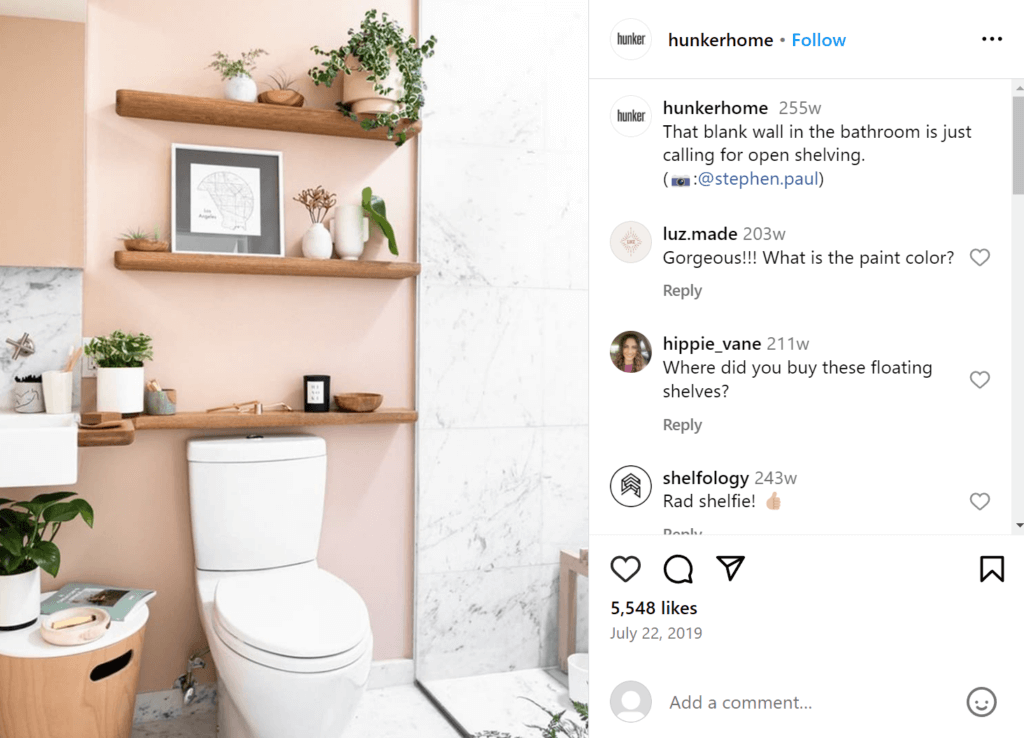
pixel 503 322
pixel 47 304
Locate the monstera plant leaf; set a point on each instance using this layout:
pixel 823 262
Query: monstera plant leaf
pixel 376 210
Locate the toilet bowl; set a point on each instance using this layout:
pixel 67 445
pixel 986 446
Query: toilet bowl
pixel 292 642
pixel 292 647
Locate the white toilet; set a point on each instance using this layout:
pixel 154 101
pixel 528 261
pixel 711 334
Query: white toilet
pixel 292 643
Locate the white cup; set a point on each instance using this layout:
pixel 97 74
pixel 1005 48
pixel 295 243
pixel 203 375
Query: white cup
pixel 57 389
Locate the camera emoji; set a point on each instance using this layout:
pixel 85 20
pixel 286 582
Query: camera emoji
pixel 681 181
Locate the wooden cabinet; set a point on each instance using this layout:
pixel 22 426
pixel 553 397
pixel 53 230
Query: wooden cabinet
pixel 42 143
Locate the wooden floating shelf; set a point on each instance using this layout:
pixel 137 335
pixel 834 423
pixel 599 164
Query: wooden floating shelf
pixel 215 112
pixel 148 261
pixel 276 419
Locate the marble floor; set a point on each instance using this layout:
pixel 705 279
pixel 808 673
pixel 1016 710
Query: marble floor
pixel 391 712
pixel 499 702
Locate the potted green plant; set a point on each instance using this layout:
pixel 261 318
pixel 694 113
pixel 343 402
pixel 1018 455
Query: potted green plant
pixel 27 530
pixel 383 74
pixel 237 74
pixel 120 378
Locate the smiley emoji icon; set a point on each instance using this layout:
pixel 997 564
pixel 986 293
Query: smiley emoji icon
pixel 981 702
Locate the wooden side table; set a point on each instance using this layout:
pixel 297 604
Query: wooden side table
pixel 85 691
pixel 571 565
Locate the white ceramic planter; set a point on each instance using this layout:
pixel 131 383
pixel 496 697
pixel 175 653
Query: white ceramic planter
pixel 241 87
pixel 360 97
pixel 19 600
pixel 350 229
pixel 28 397
pixel 120 390
pixel 316 244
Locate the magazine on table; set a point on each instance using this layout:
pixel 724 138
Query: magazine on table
pixel 117 601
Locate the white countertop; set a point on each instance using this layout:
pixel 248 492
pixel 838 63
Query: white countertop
pixel 28 644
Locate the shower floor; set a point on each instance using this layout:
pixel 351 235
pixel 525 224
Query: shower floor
pixel 492 702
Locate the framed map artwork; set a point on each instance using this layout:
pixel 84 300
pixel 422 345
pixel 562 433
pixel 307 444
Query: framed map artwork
pixel 226 201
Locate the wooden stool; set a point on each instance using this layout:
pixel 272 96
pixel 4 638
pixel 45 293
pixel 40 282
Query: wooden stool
pixel 85 691
pixel 571 565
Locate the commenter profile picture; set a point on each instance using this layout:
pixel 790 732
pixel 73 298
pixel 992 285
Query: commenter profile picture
pixel 630 352
pixel 631 701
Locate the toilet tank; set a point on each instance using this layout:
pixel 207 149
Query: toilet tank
pixel 257 501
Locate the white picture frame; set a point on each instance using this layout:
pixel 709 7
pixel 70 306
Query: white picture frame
pixel 227 201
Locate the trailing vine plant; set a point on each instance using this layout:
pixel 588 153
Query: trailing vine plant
pixel 375 47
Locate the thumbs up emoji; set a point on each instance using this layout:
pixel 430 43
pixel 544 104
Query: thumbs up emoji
pixel 774 503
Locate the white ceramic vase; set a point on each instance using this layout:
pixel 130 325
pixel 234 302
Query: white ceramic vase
pixel 316 244
pixel 350 229
pixel 120 390
pixel 19 600
pixel 241 87
pixel 359 96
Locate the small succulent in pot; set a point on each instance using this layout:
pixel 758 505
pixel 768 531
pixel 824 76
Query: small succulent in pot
pixel 137 239
pixel 237 74
pixel 281 91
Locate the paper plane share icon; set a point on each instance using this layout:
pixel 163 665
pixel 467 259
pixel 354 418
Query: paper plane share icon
pixel 732 564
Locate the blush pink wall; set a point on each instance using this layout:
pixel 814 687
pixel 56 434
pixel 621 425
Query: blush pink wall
pixel 230 338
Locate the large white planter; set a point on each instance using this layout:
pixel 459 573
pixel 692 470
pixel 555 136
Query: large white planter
pixel 241 87
pixel 360 97
pixel 120 390
pixel 19 600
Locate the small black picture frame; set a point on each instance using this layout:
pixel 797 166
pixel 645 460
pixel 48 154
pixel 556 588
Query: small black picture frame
pixel 226 201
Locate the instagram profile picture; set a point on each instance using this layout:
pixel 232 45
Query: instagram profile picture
pixel 631 241
pixel 631 701
pixel 630 352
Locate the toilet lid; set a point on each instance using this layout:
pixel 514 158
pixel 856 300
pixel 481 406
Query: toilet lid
pixel 298 613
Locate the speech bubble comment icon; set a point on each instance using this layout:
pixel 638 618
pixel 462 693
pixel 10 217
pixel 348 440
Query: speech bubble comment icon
pixel 679 569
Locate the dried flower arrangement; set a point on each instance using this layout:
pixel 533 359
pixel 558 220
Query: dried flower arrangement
pixel 318 202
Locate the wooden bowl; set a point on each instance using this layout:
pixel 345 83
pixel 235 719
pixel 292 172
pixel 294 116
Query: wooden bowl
pixel 145 244
pixel 289 98
pixel 358 402
pixel 74 635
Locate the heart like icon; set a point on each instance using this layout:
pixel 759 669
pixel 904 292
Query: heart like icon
pixel 980 379
pixel 625 567
pixel 980 256
pixel 980 500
